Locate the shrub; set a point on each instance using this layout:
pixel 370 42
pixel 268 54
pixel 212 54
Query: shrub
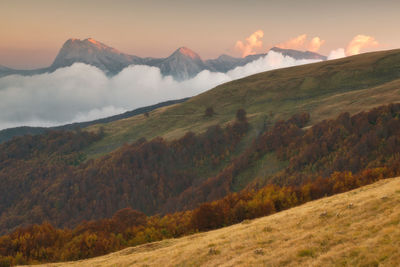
pixel 209 112
pixel 241 115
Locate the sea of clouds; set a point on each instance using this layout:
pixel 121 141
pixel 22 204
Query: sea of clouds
pixel 82 92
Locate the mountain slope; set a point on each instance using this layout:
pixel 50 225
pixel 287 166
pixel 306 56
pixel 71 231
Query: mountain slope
pixel 182 64
pixel 298 54
pixel 323 89
pixel 5 71
pixel 92 52
pixel 224 63
pixel 3 68
pixel 357 228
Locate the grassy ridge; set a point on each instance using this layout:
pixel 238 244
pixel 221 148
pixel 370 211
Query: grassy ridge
pixel 323 89
pixel 357 228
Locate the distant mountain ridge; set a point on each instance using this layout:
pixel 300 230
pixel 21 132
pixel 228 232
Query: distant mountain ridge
pixel 298 54
pixel 3 68
pixel 181 64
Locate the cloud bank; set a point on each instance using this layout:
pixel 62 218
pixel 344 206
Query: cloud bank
pixel 82 92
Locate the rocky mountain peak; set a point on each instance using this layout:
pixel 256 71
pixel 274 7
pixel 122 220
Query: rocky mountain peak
pixel 186 52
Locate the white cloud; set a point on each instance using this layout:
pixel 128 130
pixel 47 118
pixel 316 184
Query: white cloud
pixel 82 92
pixel 271 61
pixel 335 54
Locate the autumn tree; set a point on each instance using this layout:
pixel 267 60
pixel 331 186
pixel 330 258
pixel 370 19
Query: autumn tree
pixel 209 112
pixel 241 115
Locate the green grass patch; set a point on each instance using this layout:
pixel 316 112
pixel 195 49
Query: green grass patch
pixel 261 170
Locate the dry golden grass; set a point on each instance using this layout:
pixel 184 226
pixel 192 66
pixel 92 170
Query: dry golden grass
pixel 358 228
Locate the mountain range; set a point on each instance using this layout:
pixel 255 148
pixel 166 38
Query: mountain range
pixel 181 64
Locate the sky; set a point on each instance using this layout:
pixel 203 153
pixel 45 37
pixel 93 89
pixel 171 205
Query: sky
pixel 32 32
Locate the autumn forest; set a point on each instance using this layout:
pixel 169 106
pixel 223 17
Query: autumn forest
pixel 57 205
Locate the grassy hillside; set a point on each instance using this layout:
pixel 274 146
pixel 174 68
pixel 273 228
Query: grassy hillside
pixel 323 89
pixel 357 228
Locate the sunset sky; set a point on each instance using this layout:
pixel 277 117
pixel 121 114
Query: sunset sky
pixel 32 32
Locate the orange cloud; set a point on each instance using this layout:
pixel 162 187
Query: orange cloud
pixel 315 44
pixel 252 42
pixel 295 43
pixel 360 42
pixel 302 43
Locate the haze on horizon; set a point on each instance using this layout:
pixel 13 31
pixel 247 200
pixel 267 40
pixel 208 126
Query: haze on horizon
pixel 35 30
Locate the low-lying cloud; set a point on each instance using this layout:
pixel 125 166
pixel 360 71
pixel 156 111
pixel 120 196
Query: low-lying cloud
pixel 82 92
